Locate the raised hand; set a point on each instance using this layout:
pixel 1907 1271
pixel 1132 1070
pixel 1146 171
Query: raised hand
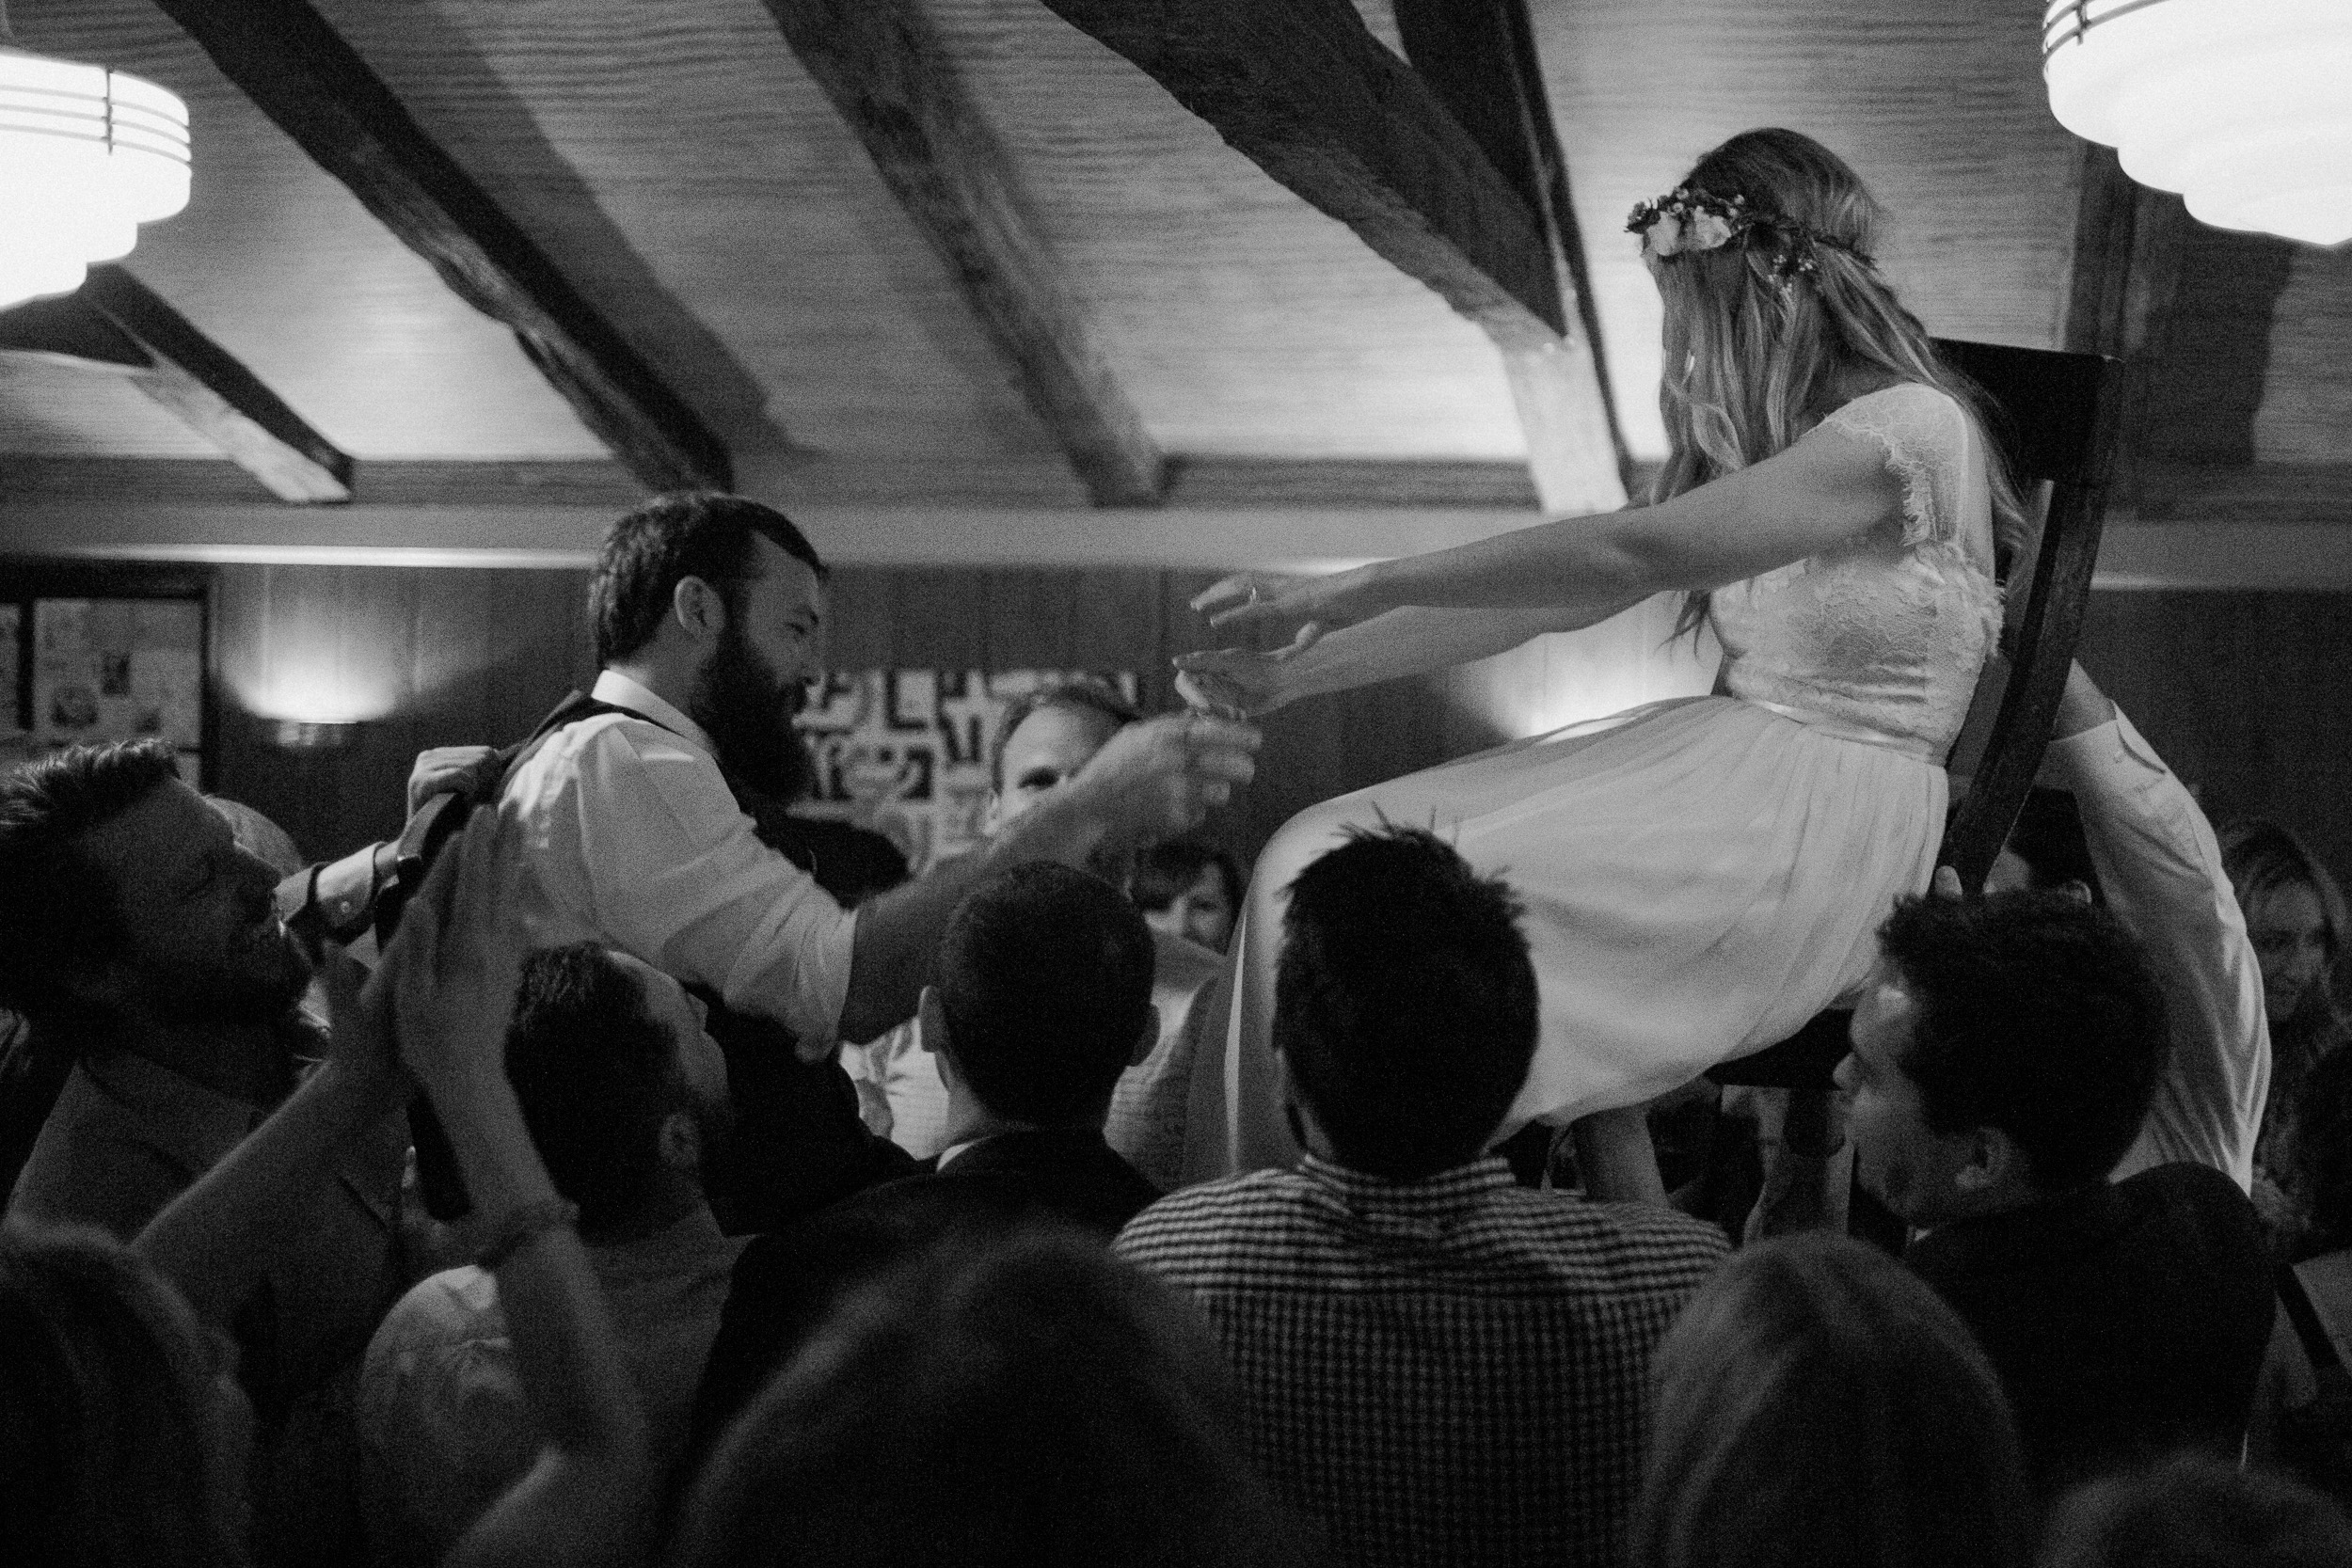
pixel 438 769
pixel 360 1027
pixel 1241 683
pixel 1291 604
pixel 450 975
pixel 1159 778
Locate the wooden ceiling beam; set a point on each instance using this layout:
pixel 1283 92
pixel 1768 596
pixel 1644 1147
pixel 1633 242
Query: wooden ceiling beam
pixel 883 67
pixel 117 325
pixel 1479 58
pixel 1305 92
pixel 294 66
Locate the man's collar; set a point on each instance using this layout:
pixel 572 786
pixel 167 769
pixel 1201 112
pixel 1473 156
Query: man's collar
pixel 1448 1189
pixel 621 692
pixel 2059 1226
pixel 1008 1139
pixel 196 1124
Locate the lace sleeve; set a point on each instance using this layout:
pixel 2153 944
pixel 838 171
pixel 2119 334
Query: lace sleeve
pixel 1924 437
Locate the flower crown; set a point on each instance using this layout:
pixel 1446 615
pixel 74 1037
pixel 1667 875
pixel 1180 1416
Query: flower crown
pixel 1685 220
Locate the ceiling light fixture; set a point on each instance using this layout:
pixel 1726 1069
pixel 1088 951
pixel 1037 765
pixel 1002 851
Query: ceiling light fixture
pixel 2244 106
pixel 86 155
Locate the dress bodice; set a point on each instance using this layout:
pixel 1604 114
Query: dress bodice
pixel 1886 633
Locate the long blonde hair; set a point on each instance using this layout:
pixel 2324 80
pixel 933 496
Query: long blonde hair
pixel 1755 347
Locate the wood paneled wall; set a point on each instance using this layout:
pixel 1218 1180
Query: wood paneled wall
pixel 425 657
pixel 2245 694
pixel 451 657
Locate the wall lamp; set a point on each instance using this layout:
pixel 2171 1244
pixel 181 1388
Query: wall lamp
pixel 302 735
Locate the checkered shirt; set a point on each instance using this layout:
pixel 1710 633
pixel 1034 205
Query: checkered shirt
pixel 1450 1370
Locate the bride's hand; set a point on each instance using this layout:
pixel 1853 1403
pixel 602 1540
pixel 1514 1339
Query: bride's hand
pixel 1238 683
pixel 1292 604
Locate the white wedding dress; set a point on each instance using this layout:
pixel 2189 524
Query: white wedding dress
pixel 1701 875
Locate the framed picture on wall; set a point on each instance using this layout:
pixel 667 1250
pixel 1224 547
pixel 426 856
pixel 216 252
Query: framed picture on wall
pixel 92 653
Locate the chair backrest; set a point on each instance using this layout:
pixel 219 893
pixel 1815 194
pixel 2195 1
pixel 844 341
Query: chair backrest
pixel 2054 418
pixel 2056 424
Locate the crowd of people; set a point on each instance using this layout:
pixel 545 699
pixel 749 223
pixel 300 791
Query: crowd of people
pixel 633 1171
pixel 980 1309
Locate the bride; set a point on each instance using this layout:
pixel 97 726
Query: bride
pixel 1701 875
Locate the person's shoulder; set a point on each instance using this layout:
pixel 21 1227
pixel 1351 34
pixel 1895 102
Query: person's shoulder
pixel 1224 1209
pixel 1633 1238
pixel 2195 1197
pixel 100 1160
pixel 1901 416
pixel 2184 1181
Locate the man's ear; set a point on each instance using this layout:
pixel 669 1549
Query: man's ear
pixel 1149 1037
pixel 1304 1133
pixel 681 1142
pixel 699 607
pixel 1994 1160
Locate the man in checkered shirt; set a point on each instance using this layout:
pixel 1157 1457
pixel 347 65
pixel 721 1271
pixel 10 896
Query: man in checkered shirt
pixel 1439 1365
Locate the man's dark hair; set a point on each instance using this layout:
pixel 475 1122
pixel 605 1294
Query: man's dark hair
pixel 1169 867
pixel 1404 1002
pixel 1045 977
pixel 595 1075
pixel 58 913
pixel 687 533
pixel 1081 694
pixel 2036 1013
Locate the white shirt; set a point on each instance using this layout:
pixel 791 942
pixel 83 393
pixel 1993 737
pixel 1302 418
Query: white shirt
pixel 2161 872
pixel 636 842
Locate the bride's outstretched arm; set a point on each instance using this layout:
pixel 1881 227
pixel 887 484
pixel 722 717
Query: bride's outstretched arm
pixel 1824 490
pixel 1413 640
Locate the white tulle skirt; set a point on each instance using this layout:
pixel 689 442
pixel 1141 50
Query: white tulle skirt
pixel 1701 877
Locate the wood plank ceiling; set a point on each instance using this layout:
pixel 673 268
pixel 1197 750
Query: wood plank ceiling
pixel 700 189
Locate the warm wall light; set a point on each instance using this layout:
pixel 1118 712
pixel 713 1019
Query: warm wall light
pixel 86 155
pixel 2244 106
pixel 298 735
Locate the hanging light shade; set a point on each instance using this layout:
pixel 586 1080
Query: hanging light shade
pixel 86 155
pixel 2243 106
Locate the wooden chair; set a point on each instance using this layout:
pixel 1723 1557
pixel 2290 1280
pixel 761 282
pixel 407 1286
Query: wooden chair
pixel 2055 419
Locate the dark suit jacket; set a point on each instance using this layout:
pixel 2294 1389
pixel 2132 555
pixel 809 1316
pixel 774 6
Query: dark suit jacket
pixel 2124 1319
pixel 786 1283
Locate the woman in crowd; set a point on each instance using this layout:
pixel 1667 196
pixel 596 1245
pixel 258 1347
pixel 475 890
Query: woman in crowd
pixel 1002 1400
pixel 1188 889
pixel 2294 917
pixel 1817 1404
pixel 1705 874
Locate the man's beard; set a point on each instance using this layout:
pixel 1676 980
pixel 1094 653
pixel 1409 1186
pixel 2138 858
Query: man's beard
pixel 261 987
pixel 747 710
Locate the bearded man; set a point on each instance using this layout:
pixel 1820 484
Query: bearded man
pixel 645 821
